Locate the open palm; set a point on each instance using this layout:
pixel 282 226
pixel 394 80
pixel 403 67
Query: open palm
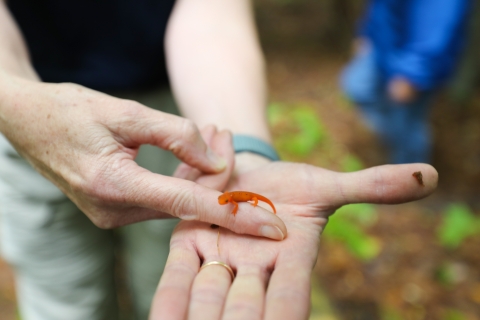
pixel 272 277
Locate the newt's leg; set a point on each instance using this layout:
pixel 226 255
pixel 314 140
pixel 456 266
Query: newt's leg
pixel 235 209
pixel 255 201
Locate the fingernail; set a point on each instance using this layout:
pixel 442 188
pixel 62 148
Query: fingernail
pixel 218 162
pixel 272 232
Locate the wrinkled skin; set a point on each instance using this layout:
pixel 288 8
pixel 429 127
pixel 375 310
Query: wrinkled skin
pixel 85 142
pixel 272 277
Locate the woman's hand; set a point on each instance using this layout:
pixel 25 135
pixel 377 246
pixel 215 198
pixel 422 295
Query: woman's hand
pixel 272 277
pixel 85 142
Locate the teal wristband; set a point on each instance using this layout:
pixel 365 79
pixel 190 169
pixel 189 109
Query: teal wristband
pixel 242 143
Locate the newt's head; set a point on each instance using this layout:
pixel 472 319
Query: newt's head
pixel 223 199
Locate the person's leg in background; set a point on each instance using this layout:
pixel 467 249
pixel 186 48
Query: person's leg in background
pixel 410 139
pixel 63 263
pixel 363 83
pixel 403 129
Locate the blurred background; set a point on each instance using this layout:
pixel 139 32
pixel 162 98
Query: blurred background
pixel 414 261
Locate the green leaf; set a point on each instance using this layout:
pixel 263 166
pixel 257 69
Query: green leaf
pixel 301 130
pixel 344 227
pixel 275 113
pixel 309 123
pixel 449 273
pixel 363 213
pixel 390 313
pixel 453 314
pixel 351 163
pixel 458 224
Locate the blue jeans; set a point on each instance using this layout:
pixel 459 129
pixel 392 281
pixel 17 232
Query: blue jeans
pixel 403 128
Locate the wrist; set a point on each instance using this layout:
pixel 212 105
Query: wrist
pixel 16 95
pixel 18 69
pixel 247 161
pixel 12 84
pixel 251 144
pixel 251 153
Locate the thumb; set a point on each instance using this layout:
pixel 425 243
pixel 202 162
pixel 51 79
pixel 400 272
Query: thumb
pixel 187 200
pixel 170 132
pixel 388 184
pixel 210 135
pixel 221 143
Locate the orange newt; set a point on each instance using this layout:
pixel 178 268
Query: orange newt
pixel 243 196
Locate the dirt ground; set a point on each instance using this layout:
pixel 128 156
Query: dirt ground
pixel 403 281
pixel 404 278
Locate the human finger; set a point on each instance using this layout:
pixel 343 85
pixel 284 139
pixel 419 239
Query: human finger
pixel 208 133
pixel 221 143
pixel 137 125
pixel 246 297
pixel 184 171
pixel 171 299
pixel 209 290
pixel 288 294
pixel 388 184
pixel 156 196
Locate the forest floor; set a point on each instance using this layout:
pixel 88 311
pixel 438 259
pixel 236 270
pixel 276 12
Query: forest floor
pixel 413 276
pixel 405 281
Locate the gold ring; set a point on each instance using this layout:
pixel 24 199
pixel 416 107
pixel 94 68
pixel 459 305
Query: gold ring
pixel 226 266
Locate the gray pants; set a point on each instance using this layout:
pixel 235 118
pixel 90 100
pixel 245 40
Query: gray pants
pixel 63 263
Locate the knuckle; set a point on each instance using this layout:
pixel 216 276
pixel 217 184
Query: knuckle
pixel 128 112
pixel 183 204
pixel 181 269
pixel 208 295
pixel 231 223
pixel 188 134
pixel 245 309
pixel 189 129
pixel 182 207
pixel 290 294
